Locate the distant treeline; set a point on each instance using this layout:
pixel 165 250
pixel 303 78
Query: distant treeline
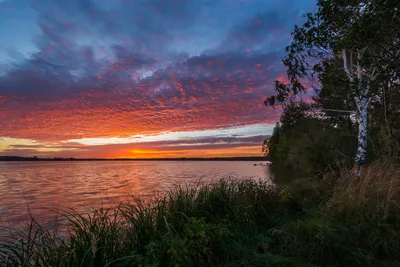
pixel 17 158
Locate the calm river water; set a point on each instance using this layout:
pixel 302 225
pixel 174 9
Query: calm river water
pixel 38 187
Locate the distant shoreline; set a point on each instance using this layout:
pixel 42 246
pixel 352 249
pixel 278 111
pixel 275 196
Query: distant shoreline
pixel 17 158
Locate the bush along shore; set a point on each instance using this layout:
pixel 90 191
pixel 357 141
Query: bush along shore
pixel 340 220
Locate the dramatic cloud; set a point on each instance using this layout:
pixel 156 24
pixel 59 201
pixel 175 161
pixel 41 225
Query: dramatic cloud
pixel 115 70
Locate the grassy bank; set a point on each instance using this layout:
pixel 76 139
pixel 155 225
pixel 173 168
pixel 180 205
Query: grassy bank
pixel 337 221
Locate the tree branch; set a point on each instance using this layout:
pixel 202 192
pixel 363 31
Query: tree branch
pixel 359 74
pixel 357 100
pixel 346 67
pixel 351 64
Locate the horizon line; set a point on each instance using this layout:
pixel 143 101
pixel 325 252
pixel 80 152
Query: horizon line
pixel 34 158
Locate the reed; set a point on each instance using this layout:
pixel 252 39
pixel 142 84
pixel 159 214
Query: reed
pixel 340 220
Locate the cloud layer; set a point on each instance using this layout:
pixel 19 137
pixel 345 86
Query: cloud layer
pixel 117 69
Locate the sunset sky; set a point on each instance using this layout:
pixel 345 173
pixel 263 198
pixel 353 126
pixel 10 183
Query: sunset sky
pixel 141 78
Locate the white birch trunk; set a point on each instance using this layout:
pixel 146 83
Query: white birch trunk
pixel 362 105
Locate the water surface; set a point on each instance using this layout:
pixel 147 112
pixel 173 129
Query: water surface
pixel 38 187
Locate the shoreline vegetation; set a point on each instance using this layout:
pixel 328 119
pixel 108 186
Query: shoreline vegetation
pixel 339 220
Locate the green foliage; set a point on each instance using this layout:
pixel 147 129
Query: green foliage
pixel 350 49
pixel 355 223
pixel 367 27
pixel 339 220
pixel 202 225
pixel 310 145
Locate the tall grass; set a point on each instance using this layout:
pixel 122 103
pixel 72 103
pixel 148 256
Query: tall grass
pixel 370 208
pixel 198 225
pixel 355 223
pixel 338 221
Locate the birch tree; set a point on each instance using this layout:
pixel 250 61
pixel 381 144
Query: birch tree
pixel 361 84
pixel 355 33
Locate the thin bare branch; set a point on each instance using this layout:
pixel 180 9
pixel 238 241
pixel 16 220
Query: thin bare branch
pixel 346 67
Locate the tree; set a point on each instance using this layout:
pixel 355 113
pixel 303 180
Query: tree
pixel 265 148
pixel 356 41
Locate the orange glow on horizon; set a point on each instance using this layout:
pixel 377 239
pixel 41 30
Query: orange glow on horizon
pixel 243 151
pixel 229 142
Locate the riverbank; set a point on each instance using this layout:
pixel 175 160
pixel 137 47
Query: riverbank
pixel 337 221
